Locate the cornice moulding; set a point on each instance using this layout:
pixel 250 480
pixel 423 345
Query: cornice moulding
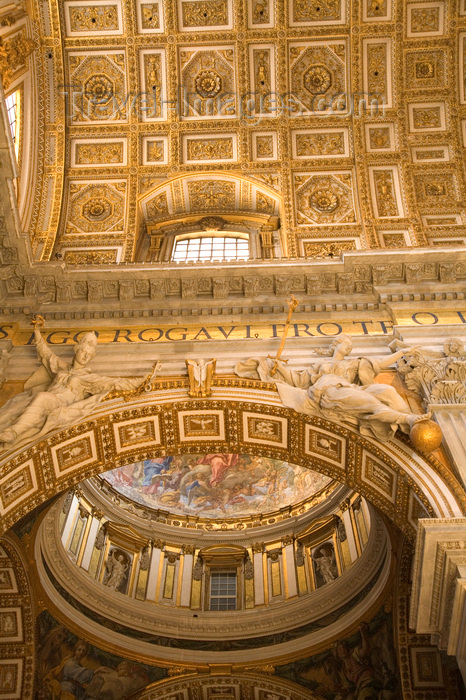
pixel 362 278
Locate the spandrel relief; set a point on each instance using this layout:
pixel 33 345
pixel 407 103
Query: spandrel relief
pixel 58 394
pixel 69 667
pixel 340 388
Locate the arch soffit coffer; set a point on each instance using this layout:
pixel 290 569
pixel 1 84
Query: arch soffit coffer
pixel 232 199
pixel 400 482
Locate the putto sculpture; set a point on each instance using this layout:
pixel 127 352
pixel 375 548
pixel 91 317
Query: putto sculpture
pixel 340 388
pixel 59 393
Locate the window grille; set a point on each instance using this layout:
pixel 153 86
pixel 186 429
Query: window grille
pixel 209 248
pixel 223 590
pixel 11 106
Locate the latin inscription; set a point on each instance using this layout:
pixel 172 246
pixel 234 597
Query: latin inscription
pixel 162 333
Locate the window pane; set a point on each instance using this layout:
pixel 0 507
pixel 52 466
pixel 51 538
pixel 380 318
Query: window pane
pixel 223 590
pixel 11 103
pixel 210 248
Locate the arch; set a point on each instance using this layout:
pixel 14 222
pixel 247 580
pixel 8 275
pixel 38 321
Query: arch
pixel 243 684
pixel 285 628
pixel 400 482
pixel 18 605
pixel 22 76
pixel 184 203
pixel 229 175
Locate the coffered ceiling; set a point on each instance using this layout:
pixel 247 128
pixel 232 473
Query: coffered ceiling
pixel 148 110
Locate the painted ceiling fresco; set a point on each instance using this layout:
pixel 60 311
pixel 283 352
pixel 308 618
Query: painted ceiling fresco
pixel 216 485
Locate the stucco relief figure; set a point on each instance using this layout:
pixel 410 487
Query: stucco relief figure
pixel 57 394
pixel 339 388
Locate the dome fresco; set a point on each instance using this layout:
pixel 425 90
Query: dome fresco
pixel 216 485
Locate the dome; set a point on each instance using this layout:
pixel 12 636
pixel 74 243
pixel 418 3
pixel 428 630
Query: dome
pixel 299 548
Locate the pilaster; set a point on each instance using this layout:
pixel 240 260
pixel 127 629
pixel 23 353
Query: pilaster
pixel 452 420
pixel 438 604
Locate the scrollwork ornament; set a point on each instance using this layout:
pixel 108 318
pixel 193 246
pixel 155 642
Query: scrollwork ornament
pixel 101 535
pixel 437 377
pixel 145 558
pixel 198 569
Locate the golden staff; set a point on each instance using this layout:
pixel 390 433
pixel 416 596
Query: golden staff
pixel 292 304
pixel 37 321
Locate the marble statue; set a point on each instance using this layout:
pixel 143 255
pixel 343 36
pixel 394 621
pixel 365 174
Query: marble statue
pixel 58 394
pixel 326 564
pixel 117 566
pixel 341 388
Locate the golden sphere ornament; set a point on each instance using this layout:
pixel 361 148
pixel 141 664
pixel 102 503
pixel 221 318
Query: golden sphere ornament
pixel 426 436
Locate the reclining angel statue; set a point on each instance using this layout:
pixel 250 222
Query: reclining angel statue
pixel 59 393
pixel 340 389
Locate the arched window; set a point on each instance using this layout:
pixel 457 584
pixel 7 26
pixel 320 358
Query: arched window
pixel 12 103
pixel 200 248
